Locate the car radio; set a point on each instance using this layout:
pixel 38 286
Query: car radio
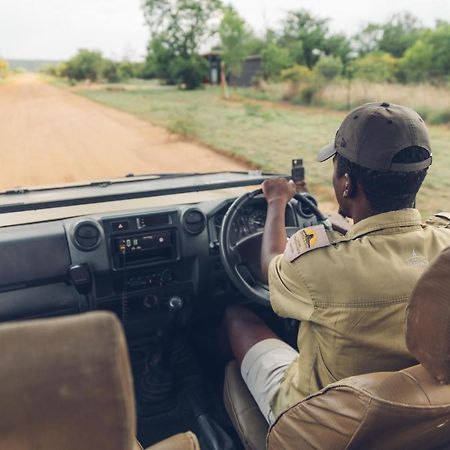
pixel 137 249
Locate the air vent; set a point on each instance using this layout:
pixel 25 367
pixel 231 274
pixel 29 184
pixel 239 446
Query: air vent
pixel 87 236
pixel 194 221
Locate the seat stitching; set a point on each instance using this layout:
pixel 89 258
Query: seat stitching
pixel 369 404
pixel 418 385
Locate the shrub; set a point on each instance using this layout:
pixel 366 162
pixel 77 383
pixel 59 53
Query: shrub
pixel 86 65
pixel 4 68
pixel 297 74
pixel 110 71
pixel 376 67
pixel 329 67
pixel 275 59
pixel 189 72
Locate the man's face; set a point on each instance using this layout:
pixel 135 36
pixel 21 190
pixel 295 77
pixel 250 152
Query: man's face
pixel 339 187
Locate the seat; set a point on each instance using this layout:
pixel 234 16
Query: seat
pixel 388 410
pixel 66 384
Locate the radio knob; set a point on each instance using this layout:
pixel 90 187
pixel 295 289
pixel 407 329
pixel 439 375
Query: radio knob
pixel 175 303
pixel 150 301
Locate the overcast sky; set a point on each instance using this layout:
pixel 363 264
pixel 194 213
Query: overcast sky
pixel 55 29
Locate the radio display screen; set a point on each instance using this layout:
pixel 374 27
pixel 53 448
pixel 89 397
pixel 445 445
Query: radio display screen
pixel 149 247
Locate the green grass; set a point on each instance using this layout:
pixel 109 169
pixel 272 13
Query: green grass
pixel 269 137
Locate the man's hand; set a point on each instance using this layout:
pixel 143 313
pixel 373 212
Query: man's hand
pixel 278 190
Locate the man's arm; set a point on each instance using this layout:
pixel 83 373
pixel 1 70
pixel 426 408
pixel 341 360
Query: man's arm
pixel 277 192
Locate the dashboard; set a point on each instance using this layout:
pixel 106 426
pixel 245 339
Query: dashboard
pixel 147 265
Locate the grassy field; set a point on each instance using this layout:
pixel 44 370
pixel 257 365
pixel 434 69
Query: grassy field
pixel 268 136
pixel 432 102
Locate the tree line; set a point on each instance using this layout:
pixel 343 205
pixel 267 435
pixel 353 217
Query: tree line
pixel 302 47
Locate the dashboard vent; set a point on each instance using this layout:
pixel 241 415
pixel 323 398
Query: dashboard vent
pixel 87 236
pixel 194 221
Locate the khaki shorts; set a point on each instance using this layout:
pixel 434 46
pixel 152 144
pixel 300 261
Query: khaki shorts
pixel 263 370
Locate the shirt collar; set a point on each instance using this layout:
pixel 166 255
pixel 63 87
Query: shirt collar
pixel 393 219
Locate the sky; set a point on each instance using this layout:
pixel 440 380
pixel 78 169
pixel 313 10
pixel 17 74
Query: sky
pixel 55 29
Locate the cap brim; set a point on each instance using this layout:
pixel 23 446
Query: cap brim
pixel 326 152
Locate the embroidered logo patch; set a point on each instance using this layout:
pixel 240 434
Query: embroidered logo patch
pixel 416 260
pixel 305 240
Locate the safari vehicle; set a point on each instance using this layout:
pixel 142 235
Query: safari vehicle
pixel 167 254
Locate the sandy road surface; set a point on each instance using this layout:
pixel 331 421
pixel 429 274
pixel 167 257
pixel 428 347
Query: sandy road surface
pixel 49 135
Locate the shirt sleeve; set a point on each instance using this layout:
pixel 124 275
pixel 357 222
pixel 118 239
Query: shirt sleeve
pixel 289 296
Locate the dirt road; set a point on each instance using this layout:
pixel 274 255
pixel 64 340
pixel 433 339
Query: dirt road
pixel 49 135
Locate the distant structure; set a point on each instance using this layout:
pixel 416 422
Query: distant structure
pixel 250 69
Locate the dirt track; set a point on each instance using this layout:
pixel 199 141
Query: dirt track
pixel 49 135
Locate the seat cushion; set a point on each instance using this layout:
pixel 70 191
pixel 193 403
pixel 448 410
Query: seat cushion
pixel 182 441
pixel 66 383
pixel 244 413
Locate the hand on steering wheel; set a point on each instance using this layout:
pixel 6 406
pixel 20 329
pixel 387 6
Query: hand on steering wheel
pixel 242 260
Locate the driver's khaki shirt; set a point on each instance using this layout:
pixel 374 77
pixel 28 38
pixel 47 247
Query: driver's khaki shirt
pixel 350 297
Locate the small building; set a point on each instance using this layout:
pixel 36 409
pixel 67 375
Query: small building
pixel 251 68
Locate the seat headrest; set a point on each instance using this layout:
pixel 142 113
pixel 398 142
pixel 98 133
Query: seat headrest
pixel 66 384
pixel 427 323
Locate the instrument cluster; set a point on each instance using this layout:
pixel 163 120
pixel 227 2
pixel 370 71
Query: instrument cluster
pixel 250 220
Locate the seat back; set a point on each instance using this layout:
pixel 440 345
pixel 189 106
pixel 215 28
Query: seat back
pixel 66 384
pixel 389 410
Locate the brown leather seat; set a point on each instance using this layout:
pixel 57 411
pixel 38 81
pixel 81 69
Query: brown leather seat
pixel 65 384
pixel 409 409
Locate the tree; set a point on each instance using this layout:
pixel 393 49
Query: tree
pixel 274 60
pixel 308 37
pixel 429 57
pixel 177 29
pixel 110 71
pixel 329 67
pixel 234 35
pixel 395 36
pixel 85 65
pixel 376 66
pixel 301 27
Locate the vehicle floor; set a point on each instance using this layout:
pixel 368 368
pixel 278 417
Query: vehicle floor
pixel 174 390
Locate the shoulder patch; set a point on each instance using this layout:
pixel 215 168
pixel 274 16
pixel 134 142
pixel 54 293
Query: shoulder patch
pixel 305 240
pixel 441 219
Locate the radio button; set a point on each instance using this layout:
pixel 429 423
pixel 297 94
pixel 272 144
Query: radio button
pixel 120 226
pixel 150 301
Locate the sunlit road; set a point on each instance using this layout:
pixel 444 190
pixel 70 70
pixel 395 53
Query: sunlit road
pixel 50 135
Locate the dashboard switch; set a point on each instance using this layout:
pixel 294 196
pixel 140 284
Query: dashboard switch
pixel 175 303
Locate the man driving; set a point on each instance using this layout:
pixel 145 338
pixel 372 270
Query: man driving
pixel 348 291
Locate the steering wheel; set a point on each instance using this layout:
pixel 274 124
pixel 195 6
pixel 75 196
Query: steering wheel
pixel 242 260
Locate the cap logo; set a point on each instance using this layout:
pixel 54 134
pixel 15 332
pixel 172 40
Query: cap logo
pixel 343 143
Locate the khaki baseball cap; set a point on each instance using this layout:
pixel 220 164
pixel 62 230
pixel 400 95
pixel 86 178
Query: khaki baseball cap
pixel 372 134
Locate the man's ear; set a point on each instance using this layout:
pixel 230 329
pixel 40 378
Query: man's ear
pixel 350 188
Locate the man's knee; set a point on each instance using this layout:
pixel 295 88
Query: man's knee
pixel 236 316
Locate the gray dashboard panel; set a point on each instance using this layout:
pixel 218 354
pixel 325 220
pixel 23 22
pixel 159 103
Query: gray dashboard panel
pixel 33 252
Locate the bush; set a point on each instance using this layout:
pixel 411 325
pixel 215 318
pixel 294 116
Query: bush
pixel 378 67
pixel 297 74
pixel 110 71
pixel 429 58
pixel 4 68
pixel 86 65
pixel 190 71
pixel 274 60
pixel 440 118
pixel 329 67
